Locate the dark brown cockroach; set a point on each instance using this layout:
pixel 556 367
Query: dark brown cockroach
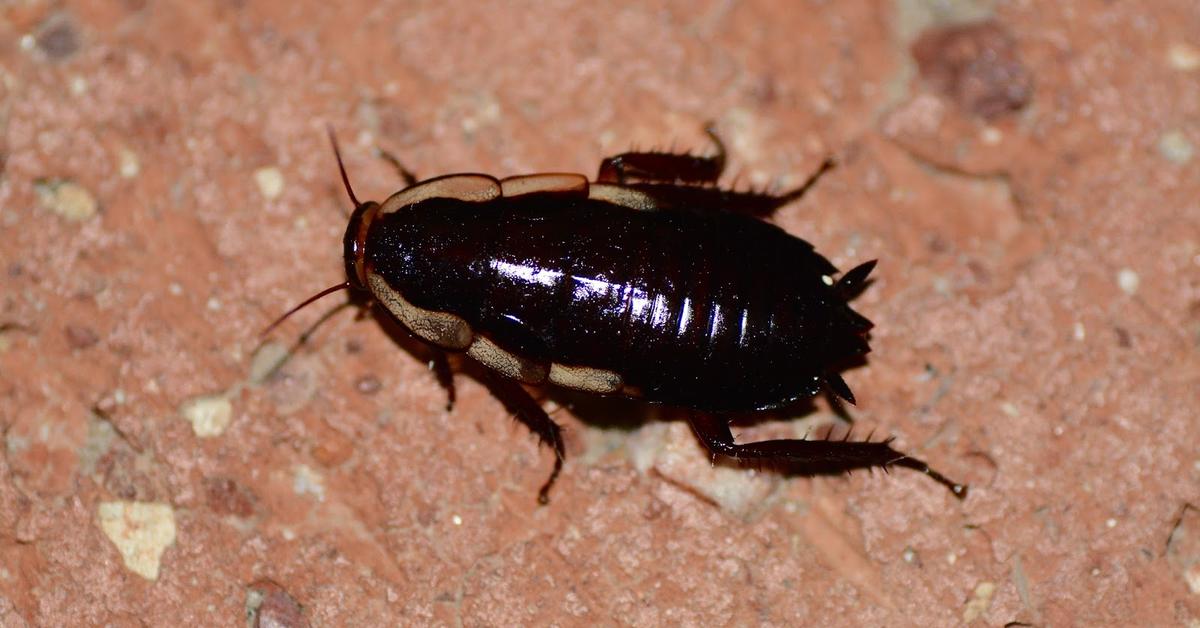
pixel 650 282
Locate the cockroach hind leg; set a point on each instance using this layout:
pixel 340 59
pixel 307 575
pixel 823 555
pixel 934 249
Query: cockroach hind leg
pixel 810 457
pixel 957 489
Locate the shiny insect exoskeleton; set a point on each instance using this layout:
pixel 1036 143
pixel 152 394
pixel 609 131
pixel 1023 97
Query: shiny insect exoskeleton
pixel 650 282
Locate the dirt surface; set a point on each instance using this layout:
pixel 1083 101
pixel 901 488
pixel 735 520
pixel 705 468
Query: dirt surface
pixel 1026 173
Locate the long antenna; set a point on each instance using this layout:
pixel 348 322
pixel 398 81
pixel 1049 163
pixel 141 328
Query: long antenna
pixel 328 291
pixel 341 167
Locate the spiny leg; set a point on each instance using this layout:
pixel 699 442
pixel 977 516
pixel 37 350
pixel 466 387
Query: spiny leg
pixel 745 202
pixel 528 411
pixel 810 457
pixel 665 167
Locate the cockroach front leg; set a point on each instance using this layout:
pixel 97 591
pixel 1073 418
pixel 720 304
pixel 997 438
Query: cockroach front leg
pixel 528 411
pixel 405 174
pixel 810 457
pixel 659 167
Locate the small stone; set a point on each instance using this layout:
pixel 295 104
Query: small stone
pixel 979 604
pixel 58 39
pixel 306 481
pixel 142 531
pixel 1183 57
pixel 270 182
pixel 1175 147
pixel 269 605
pixel 127 163
pixel 210 415
pixel 226 497
pixel 368 384
pixel 1128 280
pixel 67 199
pixel 991 136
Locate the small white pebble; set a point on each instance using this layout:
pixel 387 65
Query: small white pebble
pixel 67 199
pixel 951 558
pixel 1080 332
pixel 909 555
pixel 28 42
pixel 978 605
pixel 1112 523
pixel 79 85
pixel 1095 571
pixel 270 182
pixel 1183 57
pixel 308 481
pixel 213 304
pixel 1175 147
pixel 827 280
pixel 288 534
pixel 141 531
pixel 209 415
pixel 119 396
pixel 456 520
pixel 1010 409
pixel 127 163
pixel 1128 280
pixel 991 136
pixel 1192 577
pixel 175 289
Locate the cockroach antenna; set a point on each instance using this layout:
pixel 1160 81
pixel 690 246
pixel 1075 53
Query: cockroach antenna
pixel 341 167
pixel 326 292
pixel 345 284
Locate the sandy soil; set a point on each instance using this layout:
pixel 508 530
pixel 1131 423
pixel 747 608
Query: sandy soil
pixel 1027 174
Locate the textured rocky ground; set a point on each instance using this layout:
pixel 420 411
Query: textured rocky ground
pixel 1029 183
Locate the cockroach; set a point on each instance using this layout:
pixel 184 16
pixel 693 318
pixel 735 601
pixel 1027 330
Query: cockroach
pixel 650 282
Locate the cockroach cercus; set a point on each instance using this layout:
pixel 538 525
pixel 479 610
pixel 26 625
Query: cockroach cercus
pixel 650 282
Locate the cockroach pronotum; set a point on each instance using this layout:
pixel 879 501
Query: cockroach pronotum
pixel 650 282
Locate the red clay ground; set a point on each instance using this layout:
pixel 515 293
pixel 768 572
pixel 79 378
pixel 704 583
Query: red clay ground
pixel 1030 186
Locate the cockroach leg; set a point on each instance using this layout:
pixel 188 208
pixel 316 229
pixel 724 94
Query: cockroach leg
pixel 439 363
pixel 406 175
pixel 810 457
pixel 799 192
pixel 522 404
pixel 749 202
pixel 660 167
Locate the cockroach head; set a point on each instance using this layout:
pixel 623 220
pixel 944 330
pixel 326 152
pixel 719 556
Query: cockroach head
pixel 355 243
